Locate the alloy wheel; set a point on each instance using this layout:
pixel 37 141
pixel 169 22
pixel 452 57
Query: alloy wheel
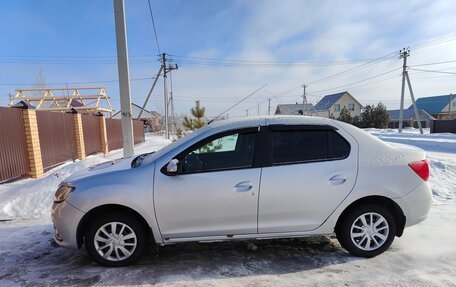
pixel 369 231
pixel 115 241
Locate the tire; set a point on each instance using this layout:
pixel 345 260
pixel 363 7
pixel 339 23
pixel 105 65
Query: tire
pixel 367 231
pixel 121 247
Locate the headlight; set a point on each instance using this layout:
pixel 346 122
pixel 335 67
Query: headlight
pixel 62 193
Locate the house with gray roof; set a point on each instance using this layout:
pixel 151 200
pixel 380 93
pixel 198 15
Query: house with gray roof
pixel 331 105
pixel 295 109
pixel 152 120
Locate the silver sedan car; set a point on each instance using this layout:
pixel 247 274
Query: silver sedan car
pixel 252 178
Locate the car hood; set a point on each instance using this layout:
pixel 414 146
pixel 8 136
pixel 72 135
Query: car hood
pixel 105 167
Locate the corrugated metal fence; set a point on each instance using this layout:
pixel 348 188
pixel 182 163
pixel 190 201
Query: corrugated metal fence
pixel 91 130
pixel 13 146
pixel 57 139
pixel 56 132
pixel 443 126
pixel 138 131
pixel 114 133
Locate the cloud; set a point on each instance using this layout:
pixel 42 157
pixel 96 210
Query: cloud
pixel 275 30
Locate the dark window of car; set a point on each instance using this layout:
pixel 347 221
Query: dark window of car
pixel 228 151
pixel 294 146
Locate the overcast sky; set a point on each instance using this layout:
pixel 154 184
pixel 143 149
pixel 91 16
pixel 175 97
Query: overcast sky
pixel 246 43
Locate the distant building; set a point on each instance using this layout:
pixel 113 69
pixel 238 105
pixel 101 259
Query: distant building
pixel 440 107
pixel 331 105
pixel 409 118
pixel 295 109
pixel 152 120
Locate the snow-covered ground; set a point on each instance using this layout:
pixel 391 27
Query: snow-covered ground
pixel 424 256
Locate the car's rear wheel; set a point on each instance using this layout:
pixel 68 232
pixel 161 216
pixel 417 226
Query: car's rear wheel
pixel 115 239
pixel 367 231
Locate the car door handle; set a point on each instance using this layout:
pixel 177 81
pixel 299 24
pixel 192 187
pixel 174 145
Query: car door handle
pixel 243 186
pixel 338 179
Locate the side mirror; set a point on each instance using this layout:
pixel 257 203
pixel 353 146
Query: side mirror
pixel 172 166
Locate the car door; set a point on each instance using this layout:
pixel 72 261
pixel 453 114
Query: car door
pixel 310 172
pixel 215 190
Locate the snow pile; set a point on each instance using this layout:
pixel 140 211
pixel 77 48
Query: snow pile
pixel 32 198
pixel 444 142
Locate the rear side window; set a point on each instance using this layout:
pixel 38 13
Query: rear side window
pixel 307 146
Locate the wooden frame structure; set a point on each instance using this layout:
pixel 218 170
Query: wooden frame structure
pixel 46 99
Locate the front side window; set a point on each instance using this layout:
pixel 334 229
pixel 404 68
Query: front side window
pixel 337 108
pixel 230 151
pixel 298 146
pixel 351 107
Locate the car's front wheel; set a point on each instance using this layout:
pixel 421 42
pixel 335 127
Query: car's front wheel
pixel 367 231
pixel 115 239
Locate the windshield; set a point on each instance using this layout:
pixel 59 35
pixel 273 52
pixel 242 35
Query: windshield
pixel 175 144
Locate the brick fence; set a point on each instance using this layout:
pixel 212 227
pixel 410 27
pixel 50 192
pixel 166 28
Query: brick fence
pixel 33 141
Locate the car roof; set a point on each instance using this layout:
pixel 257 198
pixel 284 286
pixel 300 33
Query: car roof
pixel 269 120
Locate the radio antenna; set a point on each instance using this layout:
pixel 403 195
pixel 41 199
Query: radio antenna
pixel 237 103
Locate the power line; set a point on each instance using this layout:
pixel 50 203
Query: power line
pixel 435 63
pixel 433 71
pixel 153 24
pixel 433 42
pixel 262 63
pixel 363 80
pixel 74 83
pixel 375 61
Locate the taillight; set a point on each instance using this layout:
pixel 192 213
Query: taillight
pixel 421 168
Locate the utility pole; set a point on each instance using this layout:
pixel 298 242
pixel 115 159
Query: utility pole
pixel 173 123
pixel 150 92
pixel 124 78
pixel 246 113
pixel 258 109
pixel 404 53
pixel 304 99
pixel 417 117
pixel 165 91
pixel 269 106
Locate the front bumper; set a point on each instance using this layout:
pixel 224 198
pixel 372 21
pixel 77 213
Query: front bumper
pixel 416 204
pixel 66 219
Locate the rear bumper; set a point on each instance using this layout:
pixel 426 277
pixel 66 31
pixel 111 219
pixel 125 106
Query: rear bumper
pixel 65 218
pixel 416 204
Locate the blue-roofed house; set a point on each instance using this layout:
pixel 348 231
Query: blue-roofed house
pixel 331 105
pixel 440 107
pixel 409 118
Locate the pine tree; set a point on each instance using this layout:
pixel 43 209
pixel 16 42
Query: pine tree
pixel 198 118
pixel 345 116
pixel 381 116
pixel 374 117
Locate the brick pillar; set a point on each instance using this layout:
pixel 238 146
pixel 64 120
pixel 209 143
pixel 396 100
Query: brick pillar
pixel 33 143
pixel 103 135
pixel 79 137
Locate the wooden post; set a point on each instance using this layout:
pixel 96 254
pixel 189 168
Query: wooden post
pixel 103 135
pixel 79 136
pixel 33 143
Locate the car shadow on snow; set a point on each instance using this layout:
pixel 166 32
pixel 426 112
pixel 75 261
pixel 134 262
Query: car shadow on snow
pixel 41 262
